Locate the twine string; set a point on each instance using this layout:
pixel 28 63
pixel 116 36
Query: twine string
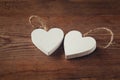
pixel 103 28
pixel 40 20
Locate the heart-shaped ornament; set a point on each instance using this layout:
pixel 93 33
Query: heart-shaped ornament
pixel 47 41
pixel 77 46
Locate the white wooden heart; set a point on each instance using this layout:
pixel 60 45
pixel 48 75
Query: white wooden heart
pixel 76 46
pixel 49 41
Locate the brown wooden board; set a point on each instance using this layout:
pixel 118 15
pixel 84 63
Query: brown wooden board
pixel 21 60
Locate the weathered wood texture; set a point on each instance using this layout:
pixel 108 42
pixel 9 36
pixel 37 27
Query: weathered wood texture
pixel 21 60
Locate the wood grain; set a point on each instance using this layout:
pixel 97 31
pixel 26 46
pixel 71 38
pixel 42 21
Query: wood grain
pixel 21 60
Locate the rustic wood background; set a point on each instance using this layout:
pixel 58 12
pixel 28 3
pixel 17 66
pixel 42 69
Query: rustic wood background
pixel 21 60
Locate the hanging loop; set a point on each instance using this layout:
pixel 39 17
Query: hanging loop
pixel 40 20
pixel 103 28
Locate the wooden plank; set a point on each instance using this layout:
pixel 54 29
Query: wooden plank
pixel 21 60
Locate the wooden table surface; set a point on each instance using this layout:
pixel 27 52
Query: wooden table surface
pixel 21 60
